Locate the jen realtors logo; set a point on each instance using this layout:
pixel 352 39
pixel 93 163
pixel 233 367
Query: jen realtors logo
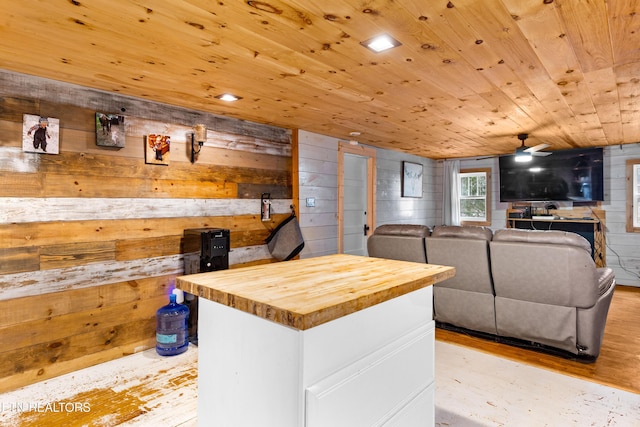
pixel 45 407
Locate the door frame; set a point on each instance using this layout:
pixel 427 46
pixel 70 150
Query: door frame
pixel 370 154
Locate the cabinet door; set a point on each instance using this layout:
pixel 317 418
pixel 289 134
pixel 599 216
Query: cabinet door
pixel 378 387
pixel 419 412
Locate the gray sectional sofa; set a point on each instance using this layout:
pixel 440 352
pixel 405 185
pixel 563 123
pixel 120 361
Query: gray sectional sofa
pixel 528 287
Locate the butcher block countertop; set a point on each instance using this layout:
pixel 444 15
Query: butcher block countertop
pixel 312 291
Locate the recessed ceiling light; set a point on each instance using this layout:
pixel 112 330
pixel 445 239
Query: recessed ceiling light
pixel 228 97
pixel 381 43
pixel 354 133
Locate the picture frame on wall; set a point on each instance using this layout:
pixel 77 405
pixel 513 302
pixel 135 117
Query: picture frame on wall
pixel 110 130
pixel 157 149
pixel 40 134
pixel 411 179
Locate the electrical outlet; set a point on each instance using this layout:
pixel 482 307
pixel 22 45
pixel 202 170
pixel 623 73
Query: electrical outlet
pixel 311 202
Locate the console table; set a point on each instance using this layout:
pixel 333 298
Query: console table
pixel 592 229
pixel 338 340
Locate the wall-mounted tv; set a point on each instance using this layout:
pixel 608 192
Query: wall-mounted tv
pixel 565 175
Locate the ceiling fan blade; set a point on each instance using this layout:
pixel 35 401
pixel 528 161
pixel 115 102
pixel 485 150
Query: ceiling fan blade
pixel 540 153
pixel 536 148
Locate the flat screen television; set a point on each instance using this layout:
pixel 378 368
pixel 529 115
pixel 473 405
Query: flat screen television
pixel 565 175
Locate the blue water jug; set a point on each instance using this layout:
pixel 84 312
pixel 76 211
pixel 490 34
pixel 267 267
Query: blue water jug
pixel 172 334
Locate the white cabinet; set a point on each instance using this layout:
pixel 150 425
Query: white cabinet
pixel 374 367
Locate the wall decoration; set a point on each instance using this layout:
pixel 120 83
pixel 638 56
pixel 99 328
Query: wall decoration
pixel 109 130
pixel 40 134
pixel 157 149
pixel 411 179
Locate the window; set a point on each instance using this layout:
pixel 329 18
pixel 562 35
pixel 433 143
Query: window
pixel 474 190
pixel 633 196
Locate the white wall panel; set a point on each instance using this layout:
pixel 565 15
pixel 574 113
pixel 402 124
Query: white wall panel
pixel 318 171
pixel 391 207
pixel 623 249
pixel 318 179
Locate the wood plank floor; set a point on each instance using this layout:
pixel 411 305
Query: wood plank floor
pixel 618 364
pixel 148 390
pixel 142 389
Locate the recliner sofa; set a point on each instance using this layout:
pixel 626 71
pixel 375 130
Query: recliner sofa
pixel 548 289
pixel 537 288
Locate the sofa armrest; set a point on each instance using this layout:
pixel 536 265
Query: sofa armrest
pixel 606 279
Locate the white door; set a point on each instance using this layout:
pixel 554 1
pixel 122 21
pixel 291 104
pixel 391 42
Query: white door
pixel 355 204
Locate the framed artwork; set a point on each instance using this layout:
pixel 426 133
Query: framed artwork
pixel 411 179
pixel 157 149
pixel 109 130
pixel 40 134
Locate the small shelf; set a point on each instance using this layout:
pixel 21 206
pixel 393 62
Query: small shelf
pixel 551 219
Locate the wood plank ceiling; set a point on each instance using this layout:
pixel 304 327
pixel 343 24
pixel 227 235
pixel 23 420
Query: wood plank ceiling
pixel 469 76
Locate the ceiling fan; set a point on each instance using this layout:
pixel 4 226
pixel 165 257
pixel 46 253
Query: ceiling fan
pixel 525 154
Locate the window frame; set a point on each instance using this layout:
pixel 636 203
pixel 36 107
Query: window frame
pixel 633 195
pixel 487 197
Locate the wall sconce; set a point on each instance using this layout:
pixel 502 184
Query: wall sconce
pixel 200 136
pixel 265 212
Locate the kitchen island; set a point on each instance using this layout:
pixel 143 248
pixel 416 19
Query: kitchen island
pixel 337 340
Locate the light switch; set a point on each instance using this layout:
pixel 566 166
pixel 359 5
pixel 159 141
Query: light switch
pixel 311 202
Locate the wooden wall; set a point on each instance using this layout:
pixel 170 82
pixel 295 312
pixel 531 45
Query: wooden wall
pixel 91 238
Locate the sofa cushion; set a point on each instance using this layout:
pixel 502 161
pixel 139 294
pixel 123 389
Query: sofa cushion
pixel 404 242
pixel 406 230
pixel 542 236
pixel 465 300
pixel 470 257
pixel 463 232
pixel 546 267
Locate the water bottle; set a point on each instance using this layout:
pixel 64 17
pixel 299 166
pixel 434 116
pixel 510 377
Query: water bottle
pixel 172 328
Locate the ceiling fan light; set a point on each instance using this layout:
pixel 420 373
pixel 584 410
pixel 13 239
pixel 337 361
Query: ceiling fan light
pixel 522 156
